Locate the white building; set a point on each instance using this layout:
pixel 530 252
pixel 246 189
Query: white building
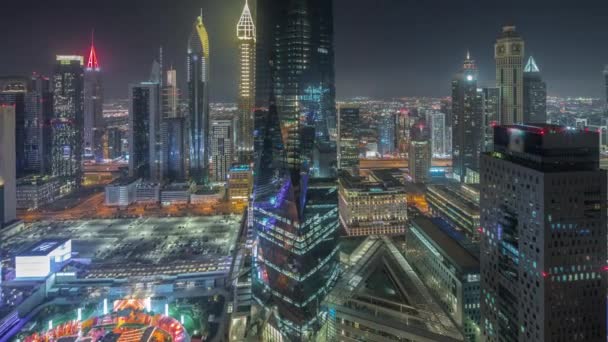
pixel 43 258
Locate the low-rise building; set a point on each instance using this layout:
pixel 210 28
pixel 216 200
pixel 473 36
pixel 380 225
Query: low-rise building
pixel 175 193
pixel 374 205
pixel 121 192
pixel 458 205
pixel 147 193
pixel 451 273
pixel 43 258
pixel 36 191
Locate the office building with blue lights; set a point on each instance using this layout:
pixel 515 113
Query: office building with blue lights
pixel 543 244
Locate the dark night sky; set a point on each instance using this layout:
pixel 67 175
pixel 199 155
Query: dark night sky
pixel 384 48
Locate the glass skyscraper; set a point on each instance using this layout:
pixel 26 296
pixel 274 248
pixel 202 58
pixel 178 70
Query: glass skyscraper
pixel 295 213
pixel 467 121
pixel 198 101
pixel 535 94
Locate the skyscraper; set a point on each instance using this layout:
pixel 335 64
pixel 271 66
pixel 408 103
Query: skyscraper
pixel 535 94
pixel 8 181
pixel 93 106
pixel 14 92
pixel 386 134
pixel 245 32
pixel 543 236
pixel 295 253
pixel 509 56
pixel 38 124
pixel 170 96
pixel 67 122
pixel 490 102
pixel 221 148
pixel 420 154
pixel 436 122
pixel 173 141
pixel 348 139
pixel 144 131
pixel 467 121
pixel 198 101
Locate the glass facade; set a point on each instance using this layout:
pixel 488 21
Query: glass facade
pixel 295 212
pixel 198 101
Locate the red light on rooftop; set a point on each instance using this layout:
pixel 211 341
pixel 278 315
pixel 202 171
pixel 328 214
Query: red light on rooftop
pixel 605 268
pixel 545 274
pixel 92 63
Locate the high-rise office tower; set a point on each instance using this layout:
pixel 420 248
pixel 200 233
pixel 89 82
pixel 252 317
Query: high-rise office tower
pixel 535 94
pixel 348 139
pixel 198 101
pixel 490 102
pixel 173 141
pixel 170 96
pixel 386 134
pixel 245 32
pixel 14 92
pixel 436 122
pixel 68 117
pixel 467 121
pixel 420 154
pixel 509 56
pixel 543 236
pixel 8 175
pixel 144 131
pixel 295 213
pixel 93 106
pixel 38 124
pixel 221 148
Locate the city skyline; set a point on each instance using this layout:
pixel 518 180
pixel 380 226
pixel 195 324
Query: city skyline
pixel 416 58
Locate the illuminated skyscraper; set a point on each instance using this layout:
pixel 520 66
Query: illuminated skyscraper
pixel 420 154
pixel 535 94
pixel 67 122
pixel 387 129
pixel 93 106
pixel 144 131
pixel 8 176
pixel 221 148
pixel 295 213
pixel 467 128
pixel 348 139
pixel 245 32
pixel 509 56
pixel 543 236
pixel 170 96
pixel 198 101
pixel 436 122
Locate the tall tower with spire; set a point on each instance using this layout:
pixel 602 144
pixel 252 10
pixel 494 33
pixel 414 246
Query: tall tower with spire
pixel 198 101
pixel 509 56
pixel 245 33
pixel 535 94
pixel 93 106
pixel 467 118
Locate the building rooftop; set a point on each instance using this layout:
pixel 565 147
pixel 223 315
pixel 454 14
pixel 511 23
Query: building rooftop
pixel 380 286
pixel 457 196
pixel 43 247
pixel 448 247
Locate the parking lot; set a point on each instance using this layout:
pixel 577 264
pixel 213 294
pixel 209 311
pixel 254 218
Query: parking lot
pixel 147 241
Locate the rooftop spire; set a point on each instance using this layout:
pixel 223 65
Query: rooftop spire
pixel 531 65
pixel 245 28
pixel 468 62
pixel 92 63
